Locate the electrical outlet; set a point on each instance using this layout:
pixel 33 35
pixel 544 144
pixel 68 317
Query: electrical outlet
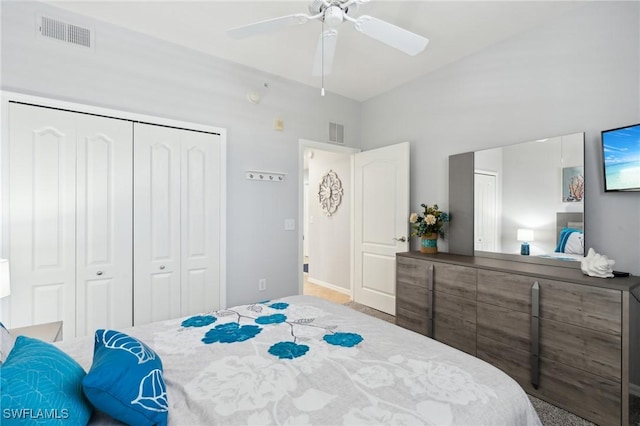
pixel 289 224
pixel 262 284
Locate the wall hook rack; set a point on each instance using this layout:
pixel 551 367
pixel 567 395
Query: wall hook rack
pixel 265 176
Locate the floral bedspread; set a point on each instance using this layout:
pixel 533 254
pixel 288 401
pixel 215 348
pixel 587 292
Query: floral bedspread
pixel 303 360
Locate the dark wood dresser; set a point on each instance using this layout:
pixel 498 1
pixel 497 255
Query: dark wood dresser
pixel 563 336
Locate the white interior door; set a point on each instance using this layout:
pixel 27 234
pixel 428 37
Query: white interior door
pixel 42 207
pixel 200 219
pixel 485 212
pixel 104 270
pixel 381 211
pixel 156 223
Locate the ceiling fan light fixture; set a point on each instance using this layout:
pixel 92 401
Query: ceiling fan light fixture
pixel 333 16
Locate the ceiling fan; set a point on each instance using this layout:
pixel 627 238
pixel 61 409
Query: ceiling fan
pixel 333 13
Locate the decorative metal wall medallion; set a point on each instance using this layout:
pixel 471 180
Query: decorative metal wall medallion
pixel 330 193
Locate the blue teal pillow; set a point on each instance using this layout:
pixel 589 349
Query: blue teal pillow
pixel 565 233
pixel 41 384
pixel 125 380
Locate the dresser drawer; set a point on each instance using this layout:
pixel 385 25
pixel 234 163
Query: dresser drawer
pixel 590 307
pixel 585 306
pixel 583 393
pixel 505 326
pixel 506 290
pixel 589 350
pixel 454 321
pixel 456 280
pixel 587 395
pixel 412 321
pixel 411 271
pixel 515 362
pixel 412 298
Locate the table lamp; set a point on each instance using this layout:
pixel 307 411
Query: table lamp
pixel 525 235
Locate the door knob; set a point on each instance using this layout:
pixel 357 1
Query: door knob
pixel 99 273
pixel 162 266
pixel 401 239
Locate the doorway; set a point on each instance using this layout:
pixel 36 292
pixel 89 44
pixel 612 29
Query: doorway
pixel 376 230
pixel 326 218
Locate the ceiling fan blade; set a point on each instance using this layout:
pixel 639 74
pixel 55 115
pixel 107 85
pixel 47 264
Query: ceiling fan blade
pixel 399 38
pixel 269 25
pixel 350 2
pixel 330 38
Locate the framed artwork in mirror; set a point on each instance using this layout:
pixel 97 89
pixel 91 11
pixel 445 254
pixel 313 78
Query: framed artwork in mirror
pixel 572 184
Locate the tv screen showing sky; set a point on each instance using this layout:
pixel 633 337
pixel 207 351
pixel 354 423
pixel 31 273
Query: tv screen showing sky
pixel 621 153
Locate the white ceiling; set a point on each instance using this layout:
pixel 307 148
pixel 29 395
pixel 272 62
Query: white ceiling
pixel 362 67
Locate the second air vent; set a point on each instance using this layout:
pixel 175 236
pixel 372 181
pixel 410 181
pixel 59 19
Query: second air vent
pixel 65 32
pixel 336 133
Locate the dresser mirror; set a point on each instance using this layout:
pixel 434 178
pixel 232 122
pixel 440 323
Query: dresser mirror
pixel 524 195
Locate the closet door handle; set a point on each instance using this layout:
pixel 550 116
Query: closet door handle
pixel 99 273
pixel 535 335
pixel 162 267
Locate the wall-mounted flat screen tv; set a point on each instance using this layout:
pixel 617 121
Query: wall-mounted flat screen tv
pixel 621 155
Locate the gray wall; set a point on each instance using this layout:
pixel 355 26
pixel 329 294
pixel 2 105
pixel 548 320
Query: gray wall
pixel 132 72
pixel 579 72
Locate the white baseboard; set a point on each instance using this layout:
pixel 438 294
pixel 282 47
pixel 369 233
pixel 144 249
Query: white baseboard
pixel 634 389
pixel 329 286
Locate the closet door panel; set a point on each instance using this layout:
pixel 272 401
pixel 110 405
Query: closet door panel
pixel 156 223
pixel 104 224
pixel 42 152
pixel 200 235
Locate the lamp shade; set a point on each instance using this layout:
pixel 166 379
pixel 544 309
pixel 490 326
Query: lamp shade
pixel 525 235
pixel 5 285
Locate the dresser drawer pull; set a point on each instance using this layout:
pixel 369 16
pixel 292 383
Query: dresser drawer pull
pixel 535 335
pixel 430 323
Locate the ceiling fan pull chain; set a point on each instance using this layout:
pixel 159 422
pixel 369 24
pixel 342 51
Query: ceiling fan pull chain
pixel 322 64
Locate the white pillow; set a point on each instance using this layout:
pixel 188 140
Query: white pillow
pixel 575 244
pixel 6 343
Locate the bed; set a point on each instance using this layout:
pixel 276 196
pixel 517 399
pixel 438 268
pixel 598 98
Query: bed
pixel 569 237
pixel 304 360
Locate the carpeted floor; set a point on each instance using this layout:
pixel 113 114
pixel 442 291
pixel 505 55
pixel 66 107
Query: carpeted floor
pixel 550 415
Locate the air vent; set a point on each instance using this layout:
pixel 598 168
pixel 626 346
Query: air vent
pixel 62 31
pixel 336 133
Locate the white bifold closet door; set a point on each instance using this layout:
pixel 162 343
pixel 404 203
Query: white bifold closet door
pixel 70 219
pixel 176 222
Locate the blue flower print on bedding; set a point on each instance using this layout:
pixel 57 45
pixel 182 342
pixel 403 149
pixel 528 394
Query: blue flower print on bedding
pixel 288 350
pixel 279 306
pixel 348 340
pixel 199 321
pixel 230 333
pixel 271 319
